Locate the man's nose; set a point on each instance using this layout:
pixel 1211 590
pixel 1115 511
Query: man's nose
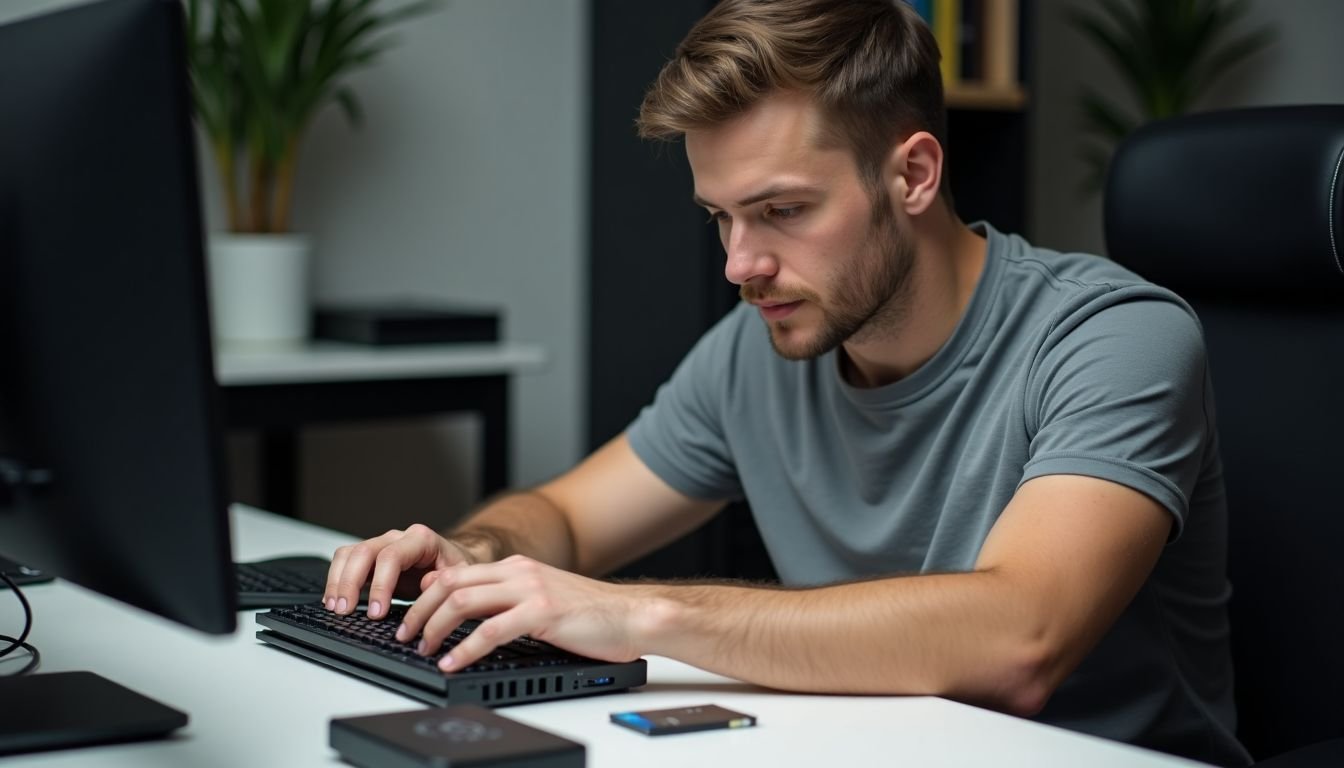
pixel 748 255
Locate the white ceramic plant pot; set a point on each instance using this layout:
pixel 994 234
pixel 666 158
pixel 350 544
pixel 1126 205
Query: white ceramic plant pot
pixel 259 288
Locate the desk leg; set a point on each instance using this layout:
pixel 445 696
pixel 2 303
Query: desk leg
pixel 280 411
pixel 279 466
pixel 495 437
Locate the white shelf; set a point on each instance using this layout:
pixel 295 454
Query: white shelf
pixel 335 361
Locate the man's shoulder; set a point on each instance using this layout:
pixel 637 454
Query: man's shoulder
pixel 1065 270
pixel 1071 286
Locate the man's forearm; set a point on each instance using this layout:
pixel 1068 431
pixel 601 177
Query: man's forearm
pixel 522 523
pixel 959 635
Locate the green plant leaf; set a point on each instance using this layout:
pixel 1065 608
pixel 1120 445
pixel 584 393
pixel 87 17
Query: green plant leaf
pixel 349 105
pixel 1168 53
pixel 1230 55
pixel 1104 119
pixel 262 69
pixel 1115 45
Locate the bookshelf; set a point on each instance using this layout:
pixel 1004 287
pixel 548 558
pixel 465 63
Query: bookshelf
pixel 987 96
pixel 985 65
pixel 979 40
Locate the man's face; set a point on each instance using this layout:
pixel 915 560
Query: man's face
pixel 821 259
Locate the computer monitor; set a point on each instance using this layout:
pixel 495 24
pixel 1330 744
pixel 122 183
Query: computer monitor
pixel 111 465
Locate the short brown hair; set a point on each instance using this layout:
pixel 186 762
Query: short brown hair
pixel 872 66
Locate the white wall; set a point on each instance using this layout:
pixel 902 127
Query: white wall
pixel 1304 65
pixel 466 182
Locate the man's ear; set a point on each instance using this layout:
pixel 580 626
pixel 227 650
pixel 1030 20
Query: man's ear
pixel 915 173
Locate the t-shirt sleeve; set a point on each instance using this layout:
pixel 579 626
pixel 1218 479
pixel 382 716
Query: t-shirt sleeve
pixel 681 436
pixel 1121 392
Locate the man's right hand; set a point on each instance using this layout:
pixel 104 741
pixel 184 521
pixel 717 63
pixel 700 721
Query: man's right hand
pixel 392 564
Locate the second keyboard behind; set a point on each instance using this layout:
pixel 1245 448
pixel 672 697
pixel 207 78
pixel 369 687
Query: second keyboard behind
pixel 281 581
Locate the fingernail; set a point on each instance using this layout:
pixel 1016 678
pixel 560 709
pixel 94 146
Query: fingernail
pixel 375 609
pixel 402 634
pixel 341 605
pixel 446 663
pixel 423 648
pixel 331 603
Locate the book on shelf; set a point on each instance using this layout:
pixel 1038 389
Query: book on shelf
pixel 999 33
pixel 947 31
pixel 970 40
pixel 978 43
pixel 924 8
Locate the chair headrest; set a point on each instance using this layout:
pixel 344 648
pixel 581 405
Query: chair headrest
pixel 1246 202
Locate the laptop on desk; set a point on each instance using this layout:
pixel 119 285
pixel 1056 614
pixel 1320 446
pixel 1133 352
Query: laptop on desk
pixel 519 672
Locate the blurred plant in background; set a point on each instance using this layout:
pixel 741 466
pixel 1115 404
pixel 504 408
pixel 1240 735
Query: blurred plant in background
pixel 261 70
pixel 1169 53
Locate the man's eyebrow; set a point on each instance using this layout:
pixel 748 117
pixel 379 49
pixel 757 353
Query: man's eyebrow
pixel 765 194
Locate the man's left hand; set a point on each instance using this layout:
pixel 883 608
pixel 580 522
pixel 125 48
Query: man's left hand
pixel 522 596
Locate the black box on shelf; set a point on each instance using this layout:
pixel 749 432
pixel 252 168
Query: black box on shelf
pixel 405 323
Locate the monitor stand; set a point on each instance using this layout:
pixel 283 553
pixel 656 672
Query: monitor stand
pixel 57 710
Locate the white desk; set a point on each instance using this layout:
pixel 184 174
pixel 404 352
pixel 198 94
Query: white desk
pixel 251 704
pixel 280 390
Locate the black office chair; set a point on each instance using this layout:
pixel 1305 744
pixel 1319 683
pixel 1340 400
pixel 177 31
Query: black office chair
pixel 1242 213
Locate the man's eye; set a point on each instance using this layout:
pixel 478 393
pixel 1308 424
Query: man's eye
pixel 717 217
pixel 783 212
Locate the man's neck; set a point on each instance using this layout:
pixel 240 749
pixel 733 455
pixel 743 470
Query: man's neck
pixel 949 258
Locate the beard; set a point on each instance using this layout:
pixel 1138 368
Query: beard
pixel 865 299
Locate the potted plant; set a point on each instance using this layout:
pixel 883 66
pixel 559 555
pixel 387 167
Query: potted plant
pixel 261 71
pixel 1169 53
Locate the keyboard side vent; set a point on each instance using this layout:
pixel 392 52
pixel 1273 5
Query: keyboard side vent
pixel 522 688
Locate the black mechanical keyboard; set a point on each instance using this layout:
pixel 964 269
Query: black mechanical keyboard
pixel 281 581
pixel 518 671
pixel 21 574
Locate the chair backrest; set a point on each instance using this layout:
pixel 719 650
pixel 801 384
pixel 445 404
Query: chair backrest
pixel 1242 213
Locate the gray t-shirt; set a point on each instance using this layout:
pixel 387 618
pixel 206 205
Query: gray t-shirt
pixel 1061 364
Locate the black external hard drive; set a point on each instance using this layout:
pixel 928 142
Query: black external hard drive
pixel 450 737
pixel 71 709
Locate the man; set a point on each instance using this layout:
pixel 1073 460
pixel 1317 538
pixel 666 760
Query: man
pixel 983 470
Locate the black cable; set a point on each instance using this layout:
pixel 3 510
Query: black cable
pixel 27 615
pixel 33 662
pixel 21 640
